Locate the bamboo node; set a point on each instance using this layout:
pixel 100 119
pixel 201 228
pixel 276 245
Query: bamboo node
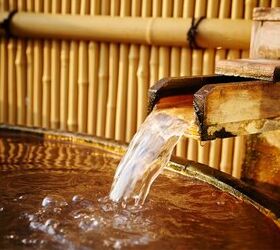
pixel 149 32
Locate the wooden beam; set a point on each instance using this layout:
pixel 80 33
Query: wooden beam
pixel 263 69
pixel 225 110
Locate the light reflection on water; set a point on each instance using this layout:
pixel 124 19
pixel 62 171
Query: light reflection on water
pixel 53 196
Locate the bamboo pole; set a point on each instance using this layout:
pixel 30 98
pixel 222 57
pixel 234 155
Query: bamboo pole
pixel 264 3
pixel 133 61
pixel 72 121
pixel 46 91
pixel 275 3
pixel 215 145
pixel 197 65
pixel 175 62
pixel 21 74
pixel 12 89
pixel 154 57
pixel 212 33
pixel 208 68
pixel 122 80
pixel 83 80
pixel 64 76
pixel 226 164
pixel 239 142
pixel 143 72
pixel 93 61
pixel 38 72
pixel 30 72
pixel 3 73
pixel 55 74
pixel 103 77
pixel 164 51
pixel 113 79
pixel 185 70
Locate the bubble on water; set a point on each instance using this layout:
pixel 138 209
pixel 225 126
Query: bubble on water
pixel 54 201
pixel 11 237
pixel 119 221
pixel 50 226
pixel 79 200
pixel 89 223
pixel 27 241
pixel 1 209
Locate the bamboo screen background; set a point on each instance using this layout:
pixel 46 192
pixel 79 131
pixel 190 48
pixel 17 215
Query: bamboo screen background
pixel 101 88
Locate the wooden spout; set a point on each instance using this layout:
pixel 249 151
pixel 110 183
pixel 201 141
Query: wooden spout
pixel 220 106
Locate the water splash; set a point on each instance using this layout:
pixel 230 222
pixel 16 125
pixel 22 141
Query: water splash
pixel 148 152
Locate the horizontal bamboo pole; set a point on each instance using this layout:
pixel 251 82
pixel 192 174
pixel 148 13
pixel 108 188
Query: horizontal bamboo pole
pixel 212 33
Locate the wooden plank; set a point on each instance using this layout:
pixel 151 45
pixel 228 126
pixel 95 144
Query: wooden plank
pixel 265 41
pixel 226 110
pixel 263 69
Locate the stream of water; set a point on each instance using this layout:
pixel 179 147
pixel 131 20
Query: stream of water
pixel 147 154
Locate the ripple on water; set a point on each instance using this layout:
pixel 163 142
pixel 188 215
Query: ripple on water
pixel 63 204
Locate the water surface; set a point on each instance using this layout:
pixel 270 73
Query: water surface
pixel 53 195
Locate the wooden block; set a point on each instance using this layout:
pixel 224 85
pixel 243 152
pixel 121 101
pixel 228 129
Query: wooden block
pixel 230 109
pixel 263 69
pixel 265 42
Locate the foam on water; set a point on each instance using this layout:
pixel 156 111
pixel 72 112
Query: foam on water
pixel 148 152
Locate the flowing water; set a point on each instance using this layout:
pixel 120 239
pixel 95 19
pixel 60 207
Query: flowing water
pixel 149 151
pixel 53 195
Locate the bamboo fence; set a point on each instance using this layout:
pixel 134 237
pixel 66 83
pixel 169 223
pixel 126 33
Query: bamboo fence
pixel 100 87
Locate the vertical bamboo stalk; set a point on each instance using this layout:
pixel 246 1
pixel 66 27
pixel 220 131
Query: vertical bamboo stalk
pixel 208 68
pixel 248 12
pixel 46 91
pixel 21 82
pixel 55 74
pixel 175 62
pixel 226 164
pixel 103 77
pixel 239 142
pixel 12 84
pixel 4 5
pixel 3 82
pixel 122 80
pixel 197 65
pixel 38 72
pixel 264 3
pixel 30 73
pixel 133 61
pixel 93 60
pixel 164 51
pixel 21 74
pixel 113 79
pixel 239 154
pixel 154 57
pixel 185 70
pixel 143 72
pixel 275 3
pixel 83 80
pixel 72 120
pixel 64 76
pixel 3 73
pixel 215 145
